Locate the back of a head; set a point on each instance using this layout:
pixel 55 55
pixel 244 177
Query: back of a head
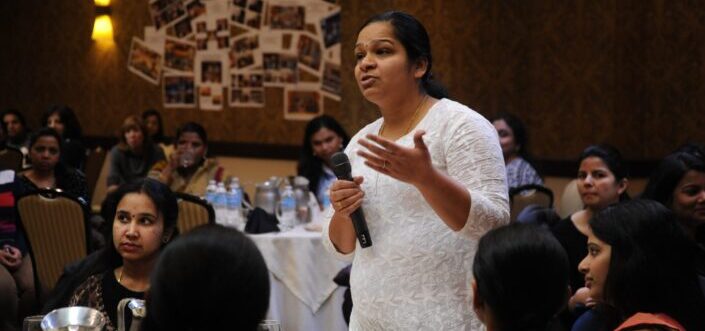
pixel 213 278
pixel 521 273
pixel 652 262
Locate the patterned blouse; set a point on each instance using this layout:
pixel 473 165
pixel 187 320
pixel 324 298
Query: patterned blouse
pixel 103 292
pixel 520 172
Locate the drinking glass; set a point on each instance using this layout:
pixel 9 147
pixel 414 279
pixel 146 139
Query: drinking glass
pixel 186 159
pixel 32 323
pixel 269 325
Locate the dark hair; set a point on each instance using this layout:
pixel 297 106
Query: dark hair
pixel 413 36
pixel 612 158
pixel 652 264
pixel 521 272
pixel 72 128
pixel 192 127
pixel 44 132
pixel 670 171
pixel 311 166
pixel 213 278
pixel 521 139
pixel 159 136
pixel 161 195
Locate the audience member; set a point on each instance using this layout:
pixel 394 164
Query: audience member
pixel 520 278
pixel 640 265
pixel 213 278
pixel 134 155
pixel 64 121
pixel 515 148
pixel 602 181
pixel 188 170
pixel 323 137
pixel 16 278
pixel 152 120
pixel 16 129
pixel 45 150
pixel 143 215
pixel 679 184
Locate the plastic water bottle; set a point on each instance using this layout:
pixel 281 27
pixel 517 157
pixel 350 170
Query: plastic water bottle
pixel 221 204
pixel 234 204
pixel 210 191
pixel 287 209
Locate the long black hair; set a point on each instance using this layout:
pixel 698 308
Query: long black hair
pixel 521 272
pixel 413 36
pixel 159 136
pixel 652 265
pixel 311 166
pixel 213 278
pixel 670 171
pixel 72 128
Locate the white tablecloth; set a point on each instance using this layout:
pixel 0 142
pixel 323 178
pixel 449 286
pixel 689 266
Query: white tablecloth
pixel 304 296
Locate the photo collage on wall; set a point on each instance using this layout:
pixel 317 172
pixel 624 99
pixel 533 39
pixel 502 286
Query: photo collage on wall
pixel 207 54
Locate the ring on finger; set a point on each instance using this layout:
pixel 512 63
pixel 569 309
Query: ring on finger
pixel 384 165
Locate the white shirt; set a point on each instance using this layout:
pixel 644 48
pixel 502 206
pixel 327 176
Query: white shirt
pixel 417 273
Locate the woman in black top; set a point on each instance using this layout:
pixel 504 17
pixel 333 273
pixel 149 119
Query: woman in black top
pixel 64 121
pixel 602 181
pixel 45 150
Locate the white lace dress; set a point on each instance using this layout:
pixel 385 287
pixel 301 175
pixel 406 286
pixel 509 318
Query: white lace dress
pixel 417 273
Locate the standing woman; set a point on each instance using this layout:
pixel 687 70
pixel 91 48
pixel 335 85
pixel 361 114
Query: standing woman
pixel 514 142
pixel 602 181
pixel 431 179
pixel 323 137
pixel 134 155
pixel 64 121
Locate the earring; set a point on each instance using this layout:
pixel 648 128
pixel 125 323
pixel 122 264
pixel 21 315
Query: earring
pixel 165 240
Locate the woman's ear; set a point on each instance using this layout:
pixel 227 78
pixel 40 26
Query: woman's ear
pixel 166 236
pixel 420 68
pixel 622 186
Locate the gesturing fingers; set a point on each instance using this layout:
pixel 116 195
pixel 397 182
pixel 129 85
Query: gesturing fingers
pixel 389 146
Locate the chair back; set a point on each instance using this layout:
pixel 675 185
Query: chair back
pixel 526 195
pixel 55 226
pixel 94 164
pixel 11 158
pixel 100 189
pixel 193 212
pixel 570 200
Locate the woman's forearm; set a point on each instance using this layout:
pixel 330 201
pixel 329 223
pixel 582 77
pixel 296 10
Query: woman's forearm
pixel 342 233
pixel 450 200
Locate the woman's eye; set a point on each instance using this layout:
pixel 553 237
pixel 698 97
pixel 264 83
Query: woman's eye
pixel 123 218
pixel 383 51
pixel 582 175
pixel 146 221
pixel 359 56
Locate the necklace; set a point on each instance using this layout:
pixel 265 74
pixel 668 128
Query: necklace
pixel 120 276
pixel 411 121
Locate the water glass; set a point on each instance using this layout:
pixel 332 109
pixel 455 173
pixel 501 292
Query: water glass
pixel 269 325
pixel 186 159
pixel 32 323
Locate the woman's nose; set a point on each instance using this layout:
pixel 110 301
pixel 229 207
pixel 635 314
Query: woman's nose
pixel 367 63
pixel 583 266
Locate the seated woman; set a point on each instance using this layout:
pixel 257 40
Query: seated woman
pixel 134 155
pixel 45 150
pixel 16 129
pixel 520 278
pixel 215 295
pixel 323 137
pixel 17 294
pixel 64 121
pixel 188 170
pixel 640 267
pixel 153 122
pixel 679 184
pixel 143 217
pixel 602 181
pixel 514 142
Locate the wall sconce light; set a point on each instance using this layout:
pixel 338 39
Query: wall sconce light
pixel 103 26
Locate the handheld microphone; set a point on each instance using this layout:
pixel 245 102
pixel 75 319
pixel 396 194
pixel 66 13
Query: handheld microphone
pixel 342 170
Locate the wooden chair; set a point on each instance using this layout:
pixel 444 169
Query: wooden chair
pixel 193 212
pixel 11 158
pixel 94 165
pixel 570 200
pixel 525 195
pixel 55 225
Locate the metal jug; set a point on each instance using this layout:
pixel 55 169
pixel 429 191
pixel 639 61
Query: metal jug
pixel 138 310
pixel 267 196
pixel 301 191
pixel 73 319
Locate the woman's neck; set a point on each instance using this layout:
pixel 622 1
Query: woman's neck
pixel 398 112
pixel 135 275
pixel 509 158
pixel 41 178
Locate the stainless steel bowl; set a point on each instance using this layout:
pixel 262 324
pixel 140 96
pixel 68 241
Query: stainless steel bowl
pixel 73 319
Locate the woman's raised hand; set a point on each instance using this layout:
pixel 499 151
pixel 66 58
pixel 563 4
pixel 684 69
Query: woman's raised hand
pixel 346 196
pixel 410 165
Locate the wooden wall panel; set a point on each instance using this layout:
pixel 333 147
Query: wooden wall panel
pixel 629 72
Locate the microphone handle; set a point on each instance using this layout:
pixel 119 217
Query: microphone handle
pixel 363 234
